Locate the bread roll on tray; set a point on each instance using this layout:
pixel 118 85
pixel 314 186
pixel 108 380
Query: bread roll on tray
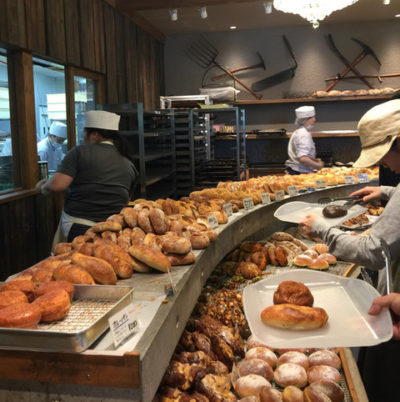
pixel 21 315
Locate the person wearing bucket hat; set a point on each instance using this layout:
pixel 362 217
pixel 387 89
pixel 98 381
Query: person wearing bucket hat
pixel 49 149
pixel 99 177
pixel 301 147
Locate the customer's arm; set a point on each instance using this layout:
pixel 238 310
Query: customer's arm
pixel 59 182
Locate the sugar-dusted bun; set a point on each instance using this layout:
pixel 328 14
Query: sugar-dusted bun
pixel 290 374
pixel 255 366
pixel 269 394
pixel 21 315
pixel 292 394
pixel 302 260
pixel 318 263
pixel 282 351
pixel 312 350
pixel 329 258
pixel 252 342
pixel 290 316
pixel 9 297
pixel 294 357
pixel 293 293
pixel 321 248
pixel 315 391
pixel 311 253
pixel 250 385
pixel 325 357
pixel 322 372
pixel 262 353
pixel 250 398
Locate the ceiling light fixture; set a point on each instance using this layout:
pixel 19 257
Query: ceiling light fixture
pixel 268 7
pixel 386 2
pixel 203 12
pixel 313 11
pixel 173 13
pixel 397 15
pixel 232 27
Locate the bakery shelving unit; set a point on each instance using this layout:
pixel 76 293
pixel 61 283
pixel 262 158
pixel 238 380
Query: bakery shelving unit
pixel 151 137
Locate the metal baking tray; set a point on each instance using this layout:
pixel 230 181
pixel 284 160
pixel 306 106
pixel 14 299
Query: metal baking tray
pixel 87 319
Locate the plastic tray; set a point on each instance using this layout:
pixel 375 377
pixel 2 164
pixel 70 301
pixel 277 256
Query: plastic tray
pixel 297 210
pixel 345 300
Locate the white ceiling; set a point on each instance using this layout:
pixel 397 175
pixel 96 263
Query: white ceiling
pixel 250 15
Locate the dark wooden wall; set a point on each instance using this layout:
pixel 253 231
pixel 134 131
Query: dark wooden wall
pixel 88 34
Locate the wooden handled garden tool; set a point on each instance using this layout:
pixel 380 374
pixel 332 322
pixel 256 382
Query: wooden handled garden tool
pixel 204 54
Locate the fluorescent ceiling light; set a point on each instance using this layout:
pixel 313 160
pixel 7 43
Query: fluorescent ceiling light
pixel 173 13
pixel 203 12
pixel 268 7
pixel 233 27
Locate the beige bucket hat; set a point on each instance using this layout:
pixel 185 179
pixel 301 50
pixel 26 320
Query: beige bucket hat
pixel 378 129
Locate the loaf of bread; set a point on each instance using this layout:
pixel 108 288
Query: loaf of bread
pixel 100 270
pixel 255 366
pixel 108 225
pixel 130 216
pixel 119 259
pixel 334 211
pixel 153 258
pixel 293 317
pixel 73 273
pixel 293 293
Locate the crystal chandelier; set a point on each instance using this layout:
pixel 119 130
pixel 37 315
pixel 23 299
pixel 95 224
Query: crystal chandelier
pixel 312 10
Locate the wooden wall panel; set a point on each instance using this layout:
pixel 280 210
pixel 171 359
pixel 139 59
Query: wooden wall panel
pixel 72 32
pixel 98 33
pixel 55 29
pixel 86 34
pixel 35 26
pixel 120 22
pixel 13 22
pixel 131 57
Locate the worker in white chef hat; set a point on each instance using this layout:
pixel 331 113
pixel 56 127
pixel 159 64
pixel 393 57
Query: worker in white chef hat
pixel 100 177
pixel 301 147
pixel 49 149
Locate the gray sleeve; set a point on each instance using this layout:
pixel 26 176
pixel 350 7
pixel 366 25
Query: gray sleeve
pixel 387 192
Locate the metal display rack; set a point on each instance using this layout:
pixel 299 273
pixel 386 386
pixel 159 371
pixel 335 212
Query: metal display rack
pixel 151 137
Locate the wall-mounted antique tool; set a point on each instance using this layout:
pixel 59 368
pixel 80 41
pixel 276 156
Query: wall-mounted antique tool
pixel 278 77
pixel 351 66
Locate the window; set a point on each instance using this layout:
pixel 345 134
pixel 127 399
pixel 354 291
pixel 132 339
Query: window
pixel 6 152
pixel 50 110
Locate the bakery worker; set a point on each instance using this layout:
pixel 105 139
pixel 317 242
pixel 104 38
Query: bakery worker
pixel 98 177
pixel 301 147
pixel 379 131
pixel 49 149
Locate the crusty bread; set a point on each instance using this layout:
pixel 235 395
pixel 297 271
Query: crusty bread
pixel 290 316
pixel 153 258
pixel 100 270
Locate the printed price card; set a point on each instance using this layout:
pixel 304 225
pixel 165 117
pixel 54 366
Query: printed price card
pixel 293 191
pixel 265 198
pixel 248 203
pixel 228 208
pixel 363 177
pixel 212 221
pixel 279 195
pixel 233 189
pixel 123 324
pixel 349 179
pixel 320 183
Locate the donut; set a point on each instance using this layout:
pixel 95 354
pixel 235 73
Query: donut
pixel 10 297
pixel 54 285
pixel 325 357
pixel 255 366
pixel 53 305
pixel 292 394
pixel 26 286
pixel 250 384
pixel 294 357
pixel 290 374
pixel 294 293
pixel 21 315
pixel 262 353
pixel 324 387
pixel 322 372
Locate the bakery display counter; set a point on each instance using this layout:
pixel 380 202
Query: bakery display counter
pixel 134 370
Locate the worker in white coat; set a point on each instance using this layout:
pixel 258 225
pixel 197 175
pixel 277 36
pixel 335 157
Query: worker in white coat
pixel 301 148
pixel 49 149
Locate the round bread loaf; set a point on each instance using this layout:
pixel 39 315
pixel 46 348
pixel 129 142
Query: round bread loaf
pixel 9 297
pixel 262 353
pixel 302 260
pixel 329 258
pixel 290 374
pixel 334 211
pixel 293 293
pixel 325 357
pixel 294 357
pixel 322 372
pixel 22 315
pixel 318 263
pixel 252 342
pixel 290 316
pixel 310 253
pixel 255 366
pixel 250 398
pixel 25 286
pixel 54 305
pixel 315 392
pixel 292 394
pixel 269 394
pixel 321 248
pixel 250 385
pixel 282 351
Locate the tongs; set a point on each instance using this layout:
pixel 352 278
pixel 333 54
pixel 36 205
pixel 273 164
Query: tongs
pixel 388 265
pixel 350 200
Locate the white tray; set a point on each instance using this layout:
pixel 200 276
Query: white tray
pixel 345 300
pixel 297 210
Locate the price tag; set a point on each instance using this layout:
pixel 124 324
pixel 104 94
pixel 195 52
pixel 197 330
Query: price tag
pixel 363 177
pixel 265 198
pixel 228 208
pixel 320 183
pixel 248 203
pixel 279 195
pixel 233 189
pixel 212 221
pixel 123 324
pixel 267 190
pixel 293 191
pixel 310 189
pixel 349 179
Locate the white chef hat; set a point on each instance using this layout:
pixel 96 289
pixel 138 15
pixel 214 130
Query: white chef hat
pixel 58 129
pixel 305 112
pixel 102 120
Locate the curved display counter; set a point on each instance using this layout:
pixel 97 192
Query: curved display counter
pixel 134 370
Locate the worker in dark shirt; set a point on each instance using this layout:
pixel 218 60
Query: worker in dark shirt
pixel 98 177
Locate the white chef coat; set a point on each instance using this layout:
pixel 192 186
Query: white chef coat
pixel 52 153
pixel 300 144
